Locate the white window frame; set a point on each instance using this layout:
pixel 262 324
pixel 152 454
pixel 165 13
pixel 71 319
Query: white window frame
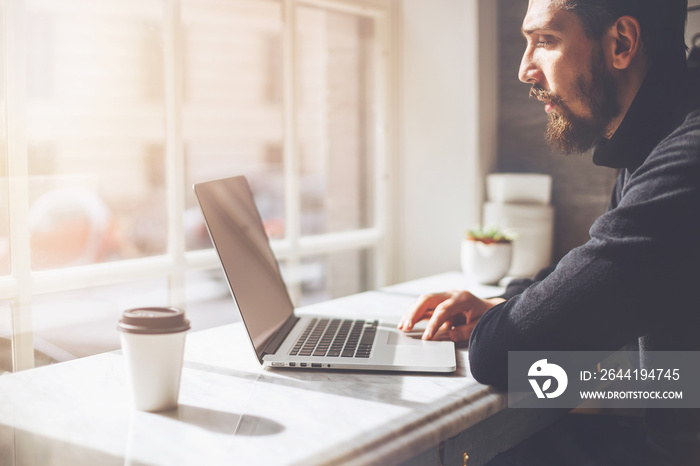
pixel 24 284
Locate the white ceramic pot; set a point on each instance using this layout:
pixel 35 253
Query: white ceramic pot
pixel 485 263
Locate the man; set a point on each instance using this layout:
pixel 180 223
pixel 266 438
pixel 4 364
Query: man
pixel 612 76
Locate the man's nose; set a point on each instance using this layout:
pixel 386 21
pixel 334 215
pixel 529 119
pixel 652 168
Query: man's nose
pixel 529 72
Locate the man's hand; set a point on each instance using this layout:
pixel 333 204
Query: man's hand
pixel 454 313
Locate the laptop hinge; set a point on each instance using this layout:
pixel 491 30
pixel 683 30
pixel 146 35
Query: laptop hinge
pixel 276 342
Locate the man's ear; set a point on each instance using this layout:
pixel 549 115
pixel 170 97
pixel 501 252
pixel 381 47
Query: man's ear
pixel 625 41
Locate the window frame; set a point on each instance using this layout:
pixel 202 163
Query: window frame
pixel 23 284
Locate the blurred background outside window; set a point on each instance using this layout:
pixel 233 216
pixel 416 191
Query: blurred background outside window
pixel 123 104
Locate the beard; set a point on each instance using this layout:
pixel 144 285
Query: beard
pixel 571 133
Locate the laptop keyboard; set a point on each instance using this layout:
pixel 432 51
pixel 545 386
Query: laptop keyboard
pixel 336 338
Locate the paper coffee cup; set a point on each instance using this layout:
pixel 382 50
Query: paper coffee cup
pixel 153 344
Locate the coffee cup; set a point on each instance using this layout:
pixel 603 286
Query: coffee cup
pixel 153 344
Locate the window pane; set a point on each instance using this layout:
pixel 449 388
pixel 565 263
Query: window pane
pixel 335 275
pixel 80 323
pixel 209 301
pixel 95 126
pixel 232 119
pixel 5 338
pixel 4 194
pixel 4 219
pixel 335 120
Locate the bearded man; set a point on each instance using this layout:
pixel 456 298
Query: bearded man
pixel 612 77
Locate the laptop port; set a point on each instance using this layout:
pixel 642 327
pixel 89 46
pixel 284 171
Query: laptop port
pixel 302 364
pixel 292 364
pixel 315 364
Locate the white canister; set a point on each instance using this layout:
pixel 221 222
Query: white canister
pixel 534 227
pixel 519 188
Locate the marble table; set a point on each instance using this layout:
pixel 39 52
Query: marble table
pixel 234 412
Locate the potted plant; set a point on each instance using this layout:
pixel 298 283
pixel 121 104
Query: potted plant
pixel 486 254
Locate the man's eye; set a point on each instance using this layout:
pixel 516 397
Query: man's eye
pixel 544 41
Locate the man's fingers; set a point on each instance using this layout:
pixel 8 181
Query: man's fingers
pixel 423 308
pixel 462 332
pixel 446 311
pixel 410 320
pixel 452 313
pixel 456 310
pixel 443 312
pixel 407 325
pixel 443 332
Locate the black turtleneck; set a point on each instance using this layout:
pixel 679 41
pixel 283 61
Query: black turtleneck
pixel 666 97
pixel 636 276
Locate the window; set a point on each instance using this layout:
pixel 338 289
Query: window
pixel 232 104
pixel 116 107
pixel 336 153
pixel 95 132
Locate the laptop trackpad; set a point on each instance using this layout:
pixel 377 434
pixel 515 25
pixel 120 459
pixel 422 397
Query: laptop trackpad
pixel 400 338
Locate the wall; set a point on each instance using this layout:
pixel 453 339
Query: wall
pixel 446 140
pixel 580 189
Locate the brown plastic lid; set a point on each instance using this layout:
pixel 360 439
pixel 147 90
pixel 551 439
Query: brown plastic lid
pixel 154 320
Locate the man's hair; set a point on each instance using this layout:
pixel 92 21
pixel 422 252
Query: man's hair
pixel 662 22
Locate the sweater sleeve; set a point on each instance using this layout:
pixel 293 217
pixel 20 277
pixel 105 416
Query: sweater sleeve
pixel 518 285
pixel 632 275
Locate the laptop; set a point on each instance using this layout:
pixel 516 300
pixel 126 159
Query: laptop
pixel 279 337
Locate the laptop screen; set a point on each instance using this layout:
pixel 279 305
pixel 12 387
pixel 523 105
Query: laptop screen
pixel 237 232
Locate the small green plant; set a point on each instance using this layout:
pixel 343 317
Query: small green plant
pixel 490 235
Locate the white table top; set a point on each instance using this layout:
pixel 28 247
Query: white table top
pixel 234 412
